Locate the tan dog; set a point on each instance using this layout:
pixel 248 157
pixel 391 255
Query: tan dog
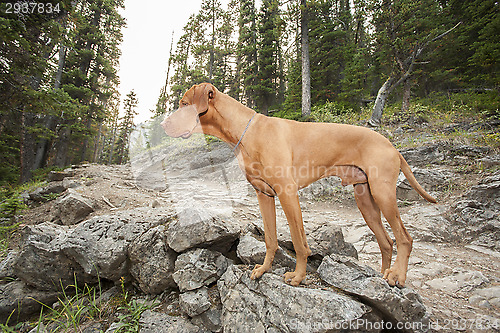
pixel 280 156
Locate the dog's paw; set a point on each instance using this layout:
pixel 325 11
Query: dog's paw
pixel 395 277
pixel 294 278
pixel 258 271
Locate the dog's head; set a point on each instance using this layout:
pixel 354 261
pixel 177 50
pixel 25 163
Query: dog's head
pixel 194 105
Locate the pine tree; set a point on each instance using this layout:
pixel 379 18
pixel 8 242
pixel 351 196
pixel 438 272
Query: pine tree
pixel 89 74
pixel 268 56
pixel 247 66
pixel 125 128
pixel 27 47
pixel 404 29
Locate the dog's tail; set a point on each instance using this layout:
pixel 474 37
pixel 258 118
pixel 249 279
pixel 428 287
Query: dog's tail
pixel 413 182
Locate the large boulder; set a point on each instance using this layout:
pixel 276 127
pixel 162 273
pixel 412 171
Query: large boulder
pixel 42 262
pixel 152 262
pixel 476 217
pixel 270 305
pixel 435 179
pixel 44 193
pixel 253 251
pixel 100 245
pixel 53 256
pixel 196 227
pixel 421 156
pixel 199 267
pixel 18 301
pixel 72 208
pixel 194 302
pixel 394 304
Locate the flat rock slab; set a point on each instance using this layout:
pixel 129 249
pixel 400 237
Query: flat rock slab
pixel 199 267
pixel 155 322
pixel 195 227
pixel 270 305
pixel 395 305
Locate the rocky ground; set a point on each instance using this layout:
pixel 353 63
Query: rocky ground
pixel 454 266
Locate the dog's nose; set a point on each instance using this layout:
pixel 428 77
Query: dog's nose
pixel 165 123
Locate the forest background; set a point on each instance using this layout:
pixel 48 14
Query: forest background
pixel 298 59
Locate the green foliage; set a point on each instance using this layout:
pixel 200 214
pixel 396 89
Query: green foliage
pixel 334 112
pixel 132 310
pixel 50 106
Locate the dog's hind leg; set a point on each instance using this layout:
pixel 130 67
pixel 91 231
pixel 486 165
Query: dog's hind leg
pixel 371 214
pixel 384 194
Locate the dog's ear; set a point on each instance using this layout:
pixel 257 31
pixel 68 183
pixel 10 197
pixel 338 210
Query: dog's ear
pixel 203 94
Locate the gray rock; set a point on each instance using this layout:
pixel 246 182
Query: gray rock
pixel 7 265
pixel 59 175
pixel 486 296
pixel 114 327
pixel 21 301
pixel 395 305
pixel 422 156
pixel 270 305
pixel 42 193
pixel 476 218
pixel 323 239
pixel 194 302
pixel 463 281
pixel 71 183
pixel 152 262
pixel 431 180
pixel 53 256
pixel 210 319
pixel 253 251
pixel 490 161
pixel 326 188
pixel 214 156
pixel 100 245
pixel 42 262
pixel 72 208
pixel 199 267
pixel 40 328
pixel 200 227
pixel 154 322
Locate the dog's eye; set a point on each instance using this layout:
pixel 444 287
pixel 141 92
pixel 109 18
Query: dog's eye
pixel 184 104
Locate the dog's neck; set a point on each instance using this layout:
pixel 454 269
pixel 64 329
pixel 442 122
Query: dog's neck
pixel 229 119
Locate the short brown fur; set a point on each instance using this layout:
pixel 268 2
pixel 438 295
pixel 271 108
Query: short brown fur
pixel 280 156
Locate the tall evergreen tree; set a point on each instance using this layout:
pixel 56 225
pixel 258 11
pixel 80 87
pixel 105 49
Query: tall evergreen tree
pixel 27 98
pixel 268 74
pixel 125 128
pixel 90 72
pixel 246 52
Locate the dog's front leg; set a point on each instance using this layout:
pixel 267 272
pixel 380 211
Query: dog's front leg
pixel 268 211
pixel 289 199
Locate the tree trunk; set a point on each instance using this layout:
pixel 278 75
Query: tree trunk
pixel 210 72
pixel 405 106
pixel 27 146
pixel 97 144
pixel 50 121
pixel 378 108
pixel 62 147
pixel 306 71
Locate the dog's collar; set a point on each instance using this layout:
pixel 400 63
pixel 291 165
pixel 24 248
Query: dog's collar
pixel 242 135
